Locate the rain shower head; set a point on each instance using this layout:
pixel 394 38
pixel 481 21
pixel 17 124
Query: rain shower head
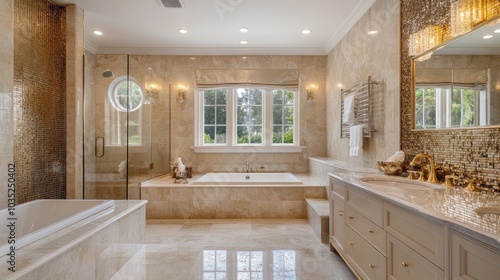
pixel 107 73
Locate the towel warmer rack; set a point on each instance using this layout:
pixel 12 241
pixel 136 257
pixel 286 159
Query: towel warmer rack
pixel 362 108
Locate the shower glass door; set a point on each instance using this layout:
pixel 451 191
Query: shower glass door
pixel 123 99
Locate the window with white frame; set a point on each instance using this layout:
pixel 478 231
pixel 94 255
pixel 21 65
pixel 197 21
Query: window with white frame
pixel 247 116
pixel 124 103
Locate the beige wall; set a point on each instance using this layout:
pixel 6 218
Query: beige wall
pixel 356 57
pixel 6 89
pixel 181 69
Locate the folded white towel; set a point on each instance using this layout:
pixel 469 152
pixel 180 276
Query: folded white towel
pixel 356 140
pixel 399 156
pixel 349 117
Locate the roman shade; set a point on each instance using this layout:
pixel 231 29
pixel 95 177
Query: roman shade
pixel 277 78
pixel 456 77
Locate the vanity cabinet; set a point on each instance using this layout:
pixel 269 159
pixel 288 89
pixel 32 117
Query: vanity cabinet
pixel 336 195
pixel 423 236
pixel 404 263
pixel 365 238
pixel 473 259
pixel 380 238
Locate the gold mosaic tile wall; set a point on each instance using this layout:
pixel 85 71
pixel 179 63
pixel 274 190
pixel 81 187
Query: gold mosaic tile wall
pixel 39 100
pixel 465 152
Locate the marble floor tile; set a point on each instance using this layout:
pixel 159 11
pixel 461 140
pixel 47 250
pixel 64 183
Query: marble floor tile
pixel 216 249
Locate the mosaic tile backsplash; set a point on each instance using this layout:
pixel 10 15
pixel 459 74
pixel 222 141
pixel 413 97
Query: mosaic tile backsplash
pixel 467 153
pixel 39 100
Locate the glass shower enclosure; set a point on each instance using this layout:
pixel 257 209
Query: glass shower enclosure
pixel 126 125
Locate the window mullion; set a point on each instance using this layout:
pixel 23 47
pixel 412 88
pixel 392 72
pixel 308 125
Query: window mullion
pixel 267 118
pixel 230 129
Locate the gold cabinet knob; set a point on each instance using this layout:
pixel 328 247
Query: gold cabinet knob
pixel 341 214
pixel 350 243
pixel 351 217
pixel 370 231
pixel 404 264
pixel 371 265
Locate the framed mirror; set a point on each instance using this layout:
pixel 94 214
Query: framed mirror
pixel 458 84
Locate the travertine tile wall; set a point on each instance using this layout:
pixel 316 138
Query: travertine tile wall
pixel 357 56
pixel 468 151
pixel 39 100
pixel 75 51
pixel 6 91
pixel 181 69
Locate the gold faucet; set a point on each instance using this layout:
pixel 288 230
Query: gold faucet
pixel 432 167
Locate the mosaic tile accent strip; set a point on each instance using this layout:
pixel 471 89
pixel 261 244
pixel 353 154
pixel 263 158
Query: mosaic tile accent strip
pixel 467 153
pixel 39 100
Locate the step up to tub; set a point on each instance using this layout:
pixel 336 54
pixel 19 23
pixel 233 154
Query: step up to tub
pixel 318 215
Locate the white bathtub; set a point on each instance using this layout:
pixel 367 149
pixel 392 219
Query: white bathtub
pixel 235 179
pixel 40 218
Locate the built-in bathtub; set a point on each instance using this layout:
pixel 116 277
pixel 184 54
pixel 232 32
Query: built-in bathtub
pixel 37 219
pixel 232 196
pixel 237 179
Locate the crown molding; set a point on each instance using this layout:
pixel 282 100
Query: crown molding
pixel 352 19
pixel 211 51
pixel 89 46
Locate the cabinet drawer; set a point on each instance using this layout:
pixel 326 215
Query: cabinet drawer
pixel 338 187
pixel 405 264
pixel 471 259
pixel 363 257
pixel 425 237
pixel 367 229
pixel 370 206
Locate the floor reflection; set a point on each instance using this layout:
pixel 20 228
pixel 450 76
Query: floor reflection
pixel 232 250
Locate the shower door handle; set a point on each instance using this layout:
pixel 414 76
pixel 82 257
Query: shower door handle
pixel 96 149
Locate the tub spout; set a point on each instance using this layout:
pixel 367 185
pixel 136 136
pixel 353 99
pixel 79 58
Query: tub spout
pixel 247 170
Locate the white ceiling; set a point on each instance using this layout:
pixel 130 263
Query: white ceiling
pixel 145 27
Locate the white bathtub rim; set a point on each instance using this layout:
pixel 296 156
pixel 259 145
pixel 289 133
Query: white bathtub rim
pixel 293 180
pixel 23 271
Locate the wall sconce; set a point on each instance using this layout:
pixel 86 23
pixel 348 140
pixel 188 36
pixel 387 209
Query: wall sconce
pixel 152 91
pixel 425 39
pixel 181 93
pixel 465 14
pixel 311 89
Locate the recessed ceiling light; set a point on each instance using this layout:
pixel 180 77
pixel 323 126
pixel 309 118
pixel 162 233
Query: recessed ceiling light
pixel 97 32
pixel 243 30
pixel 487 36
pixel 372 32
pixel 306 31
pixel 497 31
pixel 183 31
pixel 243 42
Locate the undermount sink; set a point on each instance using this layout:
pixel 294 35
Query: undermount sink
pixel 400 183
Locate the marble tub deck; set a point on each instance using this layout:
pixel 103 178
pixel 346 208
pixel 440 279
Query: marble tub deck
pixel 168 200
pixel 82 250
pixel 195 249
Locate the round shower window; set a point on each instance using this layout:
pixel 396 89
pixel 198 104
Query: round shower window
pixel 125 95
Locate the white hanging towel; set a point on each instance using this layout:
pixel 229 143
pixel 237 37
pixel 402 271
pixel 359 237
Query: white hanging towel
pixel 349 117
pixel 356 140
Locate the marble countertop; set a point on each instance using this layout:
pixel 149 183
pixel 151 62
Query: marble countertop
pixel 451 205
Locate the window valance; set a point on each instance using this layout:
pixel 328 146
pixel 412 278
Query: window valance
pixel 286 78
